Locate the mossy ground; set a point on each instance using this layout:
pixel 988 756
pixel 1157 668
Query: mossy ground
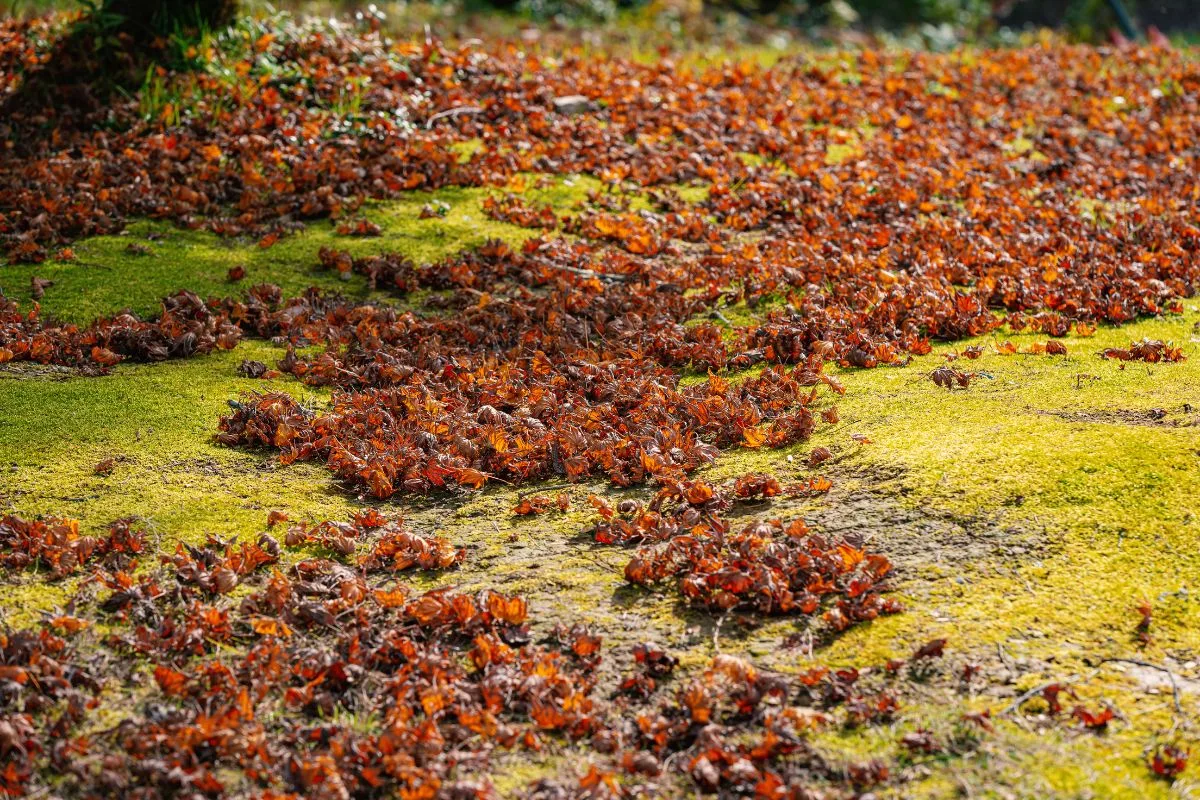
pixel 1029 514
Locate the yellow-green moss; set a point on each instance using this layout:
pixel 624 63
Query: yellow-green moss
pixel 157 422
pixel 1037 445
pixel 1103 464
pixel 26 599
pixel 107 276
pixel 516 775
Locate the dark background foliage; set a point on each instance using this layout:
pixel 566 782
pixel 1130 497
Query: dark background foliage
pixel 1082 19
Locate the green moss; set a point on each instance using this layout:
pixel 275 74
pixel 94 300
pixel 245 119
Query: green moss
pixel 847 143
pixel 27 598
pixel 516 775
pixel 1019 146
pixel 157 421
pixel 1060 763
pixel 692 193
pixel 1070 445
pixel 1023 759
pixel 752 159
pixel 107 276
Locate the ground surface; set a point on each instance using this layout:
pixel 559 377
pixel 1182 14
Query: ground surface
pixel 1028 516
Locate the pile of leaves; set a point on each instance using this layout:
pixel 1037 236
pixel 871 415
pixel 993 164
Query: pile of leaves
pixel 260 694
pixel 55 545
pixel 772 567
pixel 185 327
